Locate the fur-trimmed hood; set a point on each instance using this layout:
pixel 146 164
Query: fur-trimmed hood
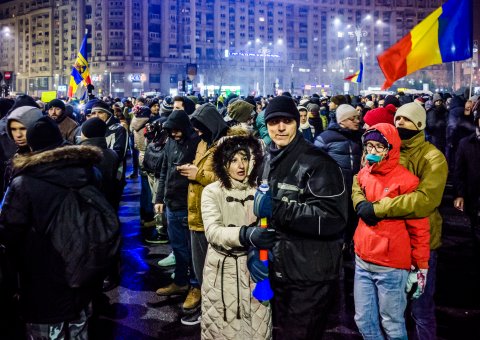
pixel 75 154
pixel 227 147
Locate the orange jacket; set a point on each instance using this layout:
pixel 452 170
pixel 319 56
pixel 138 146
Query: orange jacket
pixel 395 243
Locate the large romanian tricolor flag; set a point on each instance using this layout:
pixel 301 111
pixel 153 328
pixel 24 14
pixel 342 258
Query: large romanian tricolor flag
pixel 80 71
pixel 357 76
pixel 444 36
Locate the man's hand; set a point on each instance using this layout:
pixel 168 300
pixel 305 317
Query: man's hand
pixel 459 203
pixel 188 170
pixel 366 212
pixel 158 208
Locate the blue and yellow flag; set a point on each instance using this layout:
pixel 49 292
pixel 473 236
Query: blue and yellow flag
pixel 80 71
pixel 357 76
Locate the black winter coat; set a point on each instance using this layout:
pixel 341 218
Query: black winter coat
pixel 30 204
pixel 309 212
pixel 7 150
pixel 173 187
pixel 467 174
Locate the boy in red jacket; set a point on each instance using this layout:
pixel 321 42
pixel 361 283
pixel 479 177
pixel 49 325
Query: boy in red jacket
pixel 391 253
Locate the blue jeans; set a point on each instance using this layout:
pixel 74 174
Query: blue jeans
pixel 179 237
pixel 380 295
pixel 423 308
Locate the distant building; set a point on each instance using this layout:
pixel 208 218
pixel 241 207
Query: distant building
pixel 137 46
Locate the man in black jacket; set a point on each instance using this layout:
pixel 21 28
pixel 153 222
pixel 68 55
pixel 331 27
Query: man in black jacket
pixel 309 212
pixel 172 194
pixel 47 304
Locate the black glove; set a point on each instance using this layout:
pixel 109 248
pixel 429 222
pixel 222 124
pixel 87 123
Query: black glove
pixel 367 214
pixel 258 270
pixel 258 237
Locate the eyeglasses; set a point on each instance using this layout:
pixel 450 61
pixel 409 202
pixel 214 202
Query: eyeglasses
pixel 354 118
pixel 379 148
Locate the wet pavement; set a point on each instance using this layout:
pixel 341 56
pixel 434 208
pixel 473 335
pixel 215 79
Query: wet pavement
pixel 134 310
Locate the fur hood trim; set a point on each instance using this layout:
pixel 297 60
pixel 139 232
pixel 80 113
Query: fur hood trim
pixel 82 153
pixel 227 147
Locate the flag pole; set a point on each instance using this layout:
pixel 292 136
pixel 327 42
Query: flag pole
pixel 471 78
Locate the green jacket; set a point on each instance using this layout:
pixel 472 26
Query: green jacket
pixel 426 162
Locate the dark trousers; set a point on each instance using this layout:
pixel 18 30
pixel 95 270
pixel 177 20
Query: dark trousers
pixel 300 311
pixel 423 308
pixel 179 237
pixel 135 154
pixel 199 253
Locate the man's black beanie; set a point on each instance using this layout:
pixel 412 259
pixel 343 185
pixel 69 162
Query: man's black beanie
pixel 94 127
pixel 282 106
pixel 44 134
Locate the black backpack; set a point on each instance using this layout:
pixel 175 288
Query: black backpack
pixel 85 232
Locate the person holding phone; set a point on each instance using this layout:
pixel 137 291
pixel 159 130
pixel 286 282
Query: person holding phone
pixel 172 196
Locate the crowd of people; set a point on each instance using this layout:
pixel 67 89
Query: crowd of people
pixel 344 178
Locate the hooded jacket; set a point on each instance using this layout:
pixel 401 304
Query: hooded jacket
pixel 458 126
pixel 386 243
pixel 173 187
pixel 206 117
pixel 29 205
pixel 224 212
pixel 117 137
pixel 67 126
pixel 466 176
pixel 427 163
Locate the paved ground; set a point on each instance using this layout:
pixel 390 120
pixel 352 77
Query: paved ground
pixel 135 312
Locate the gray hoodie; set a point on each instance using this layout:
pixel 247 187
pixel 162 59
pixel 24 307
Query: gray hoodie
pixel 27 115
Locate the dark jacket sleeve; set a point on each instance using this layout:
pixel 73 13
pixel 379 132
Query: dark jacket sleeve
pixel 460 172
pixel 121 142
pixel 325 208
pixel 14 216
pixel 162 178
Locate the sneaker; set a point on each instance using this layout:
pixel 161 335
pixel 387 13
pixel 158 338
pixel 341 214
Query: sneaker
pixel 156 238
pixel 192 319
pixel 168 261
pixel 193 299
pixel 172 289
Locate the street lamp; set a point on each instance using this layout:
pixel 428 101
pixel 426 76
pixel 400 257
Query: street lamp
pixel 264 51
pixel 109 82
pixel 359 34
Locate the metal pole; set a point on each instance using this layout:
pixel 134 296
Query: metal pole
pixel 264 70
pixel 471 78
pixel 453 76
pixel 110 86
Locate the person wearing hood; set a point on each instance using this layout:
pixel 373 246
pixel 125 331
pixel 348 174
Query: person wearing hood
pixel 7 145
pixel 48 305
pixel 467 176
pixel 240 112
pixel 210 126
pixel 437 122
pixel 171 198
pixel 305 128
pixel 459 125
pixel 18 121
pixel 57 111
pixel 229 311
pixel 183 103
pixel 426 162
pixel 384 271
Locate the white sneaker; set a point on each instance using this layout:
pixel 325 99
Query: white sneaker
pixel 168 261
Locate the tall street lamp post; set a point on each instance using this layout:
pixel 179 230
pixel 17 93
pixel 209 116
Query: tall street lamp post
pixel 264 51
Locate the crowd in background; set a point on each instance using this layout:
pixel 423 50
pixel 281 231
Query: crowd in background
pixel 350 177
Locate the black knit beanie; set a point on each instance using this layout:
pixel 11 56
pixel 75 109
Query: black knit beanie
pixel 282 106
pixel 44 134
pixel 94 127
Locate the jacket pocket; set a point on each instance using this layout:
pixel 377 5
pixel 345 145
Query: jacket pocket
pixel 377 246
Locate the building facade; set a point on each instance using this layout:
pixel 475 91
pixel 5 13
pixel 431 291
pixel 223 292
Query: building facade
pixel 260 46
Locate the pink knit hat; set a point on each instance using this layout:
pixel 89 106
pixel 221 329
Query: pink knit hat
pixel 380 115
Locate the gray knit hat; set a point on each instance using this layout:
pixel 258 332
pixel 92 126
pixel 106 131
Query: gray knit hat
pixel 415 113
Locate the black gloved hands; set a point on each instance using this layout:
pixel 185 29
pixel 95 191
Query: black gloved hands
pixel 258 270
pixel 366 212
pixel 258 237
